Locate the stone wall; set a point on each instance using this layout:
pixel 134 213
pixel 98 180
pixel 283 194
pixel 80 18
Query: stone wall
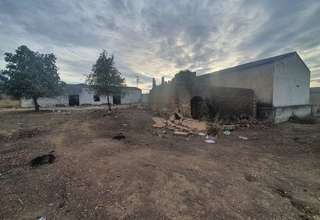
pixel 202 100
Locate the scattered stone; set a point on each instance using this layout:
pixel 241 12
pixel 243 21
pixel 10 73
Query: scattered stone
pixel 181 133
pixel 243 138
pixel 159 122
pixel 42 160
pixel 210 141
pixel 250 178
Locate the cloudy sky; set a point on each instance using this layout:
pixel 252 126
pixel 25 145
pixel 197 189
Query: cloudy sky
pixel 151 38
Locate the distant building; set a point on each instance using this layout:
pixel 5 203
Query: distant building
pixel 315 100
pixel 81 94
pixel 275 88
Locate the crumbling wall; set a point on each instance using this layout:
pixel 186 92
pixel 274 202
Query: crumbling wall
pixel 226 102
pixel 162 98
pixel 178 95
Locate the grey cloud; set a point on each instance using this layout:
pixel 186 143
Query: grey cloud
pixel 151 38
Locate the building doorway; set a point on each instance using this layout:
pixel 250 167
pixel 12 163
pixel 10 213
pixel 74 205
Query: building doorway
pixel 73 100
pixel 197 103
pixel 117 100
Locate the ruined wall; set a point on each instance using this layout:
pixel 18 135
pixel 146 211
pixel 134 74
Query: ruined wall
pixel 227 102
pixel 162 98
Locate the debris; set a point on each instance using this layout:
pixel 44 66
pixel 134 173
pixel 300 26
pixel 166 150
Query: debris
pixel 159 122
pixel 124 125
pixel 243 138
pixel 181 133
pixel 210 141
pixel 227 132
pixel 201 134
pixel 119 137
pixel 213 129
pixel 250 178
pixel 41 160
pixel 229 127
pixel 177 116
pixel 195 125
pixel 41 218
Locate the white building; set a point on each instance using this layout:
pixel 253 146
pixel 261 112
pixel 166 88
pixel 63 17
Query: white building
pixel 81 94
pixel 281 85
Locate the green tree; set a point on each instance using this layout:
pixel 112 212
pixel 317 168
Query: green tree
pixel 104 78
pixel 31 75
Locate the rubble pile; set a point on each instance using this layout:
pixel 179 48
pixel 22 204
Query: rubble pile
pixel 246 123
pixel 180 125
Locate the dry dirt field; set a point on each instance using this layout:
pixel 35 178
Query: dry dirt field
pixel 151 175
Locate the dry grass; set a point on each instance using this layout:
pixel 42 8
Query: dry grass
pixel 9 103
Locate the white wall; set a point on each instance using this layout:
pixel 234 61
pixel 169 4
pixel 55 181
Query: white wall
pixel 85 98
pixel 258 78
pixel 131 96
pixel 45 102
pixel 291 85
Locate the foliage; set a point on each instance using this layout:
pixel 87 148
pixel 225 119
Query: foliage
pixel 31 75
pixel 104 78
pixel 185 78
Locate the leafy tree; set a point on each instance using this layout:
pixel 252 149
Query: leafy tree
pixel 31 75
pixel 104 78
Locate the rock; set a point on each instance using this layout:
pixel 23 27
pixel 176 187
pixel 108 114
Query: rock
pixel 227 132
pixel 195 125
pixel 159 122
pixel 210 141
pixel 243 138
pixel 180 133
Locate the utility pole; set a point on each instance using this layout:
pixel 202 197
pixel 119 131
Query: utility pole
pixel 138 80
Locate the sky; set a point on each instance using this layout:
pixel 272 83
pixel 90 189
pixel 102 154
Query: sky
pixel 151 38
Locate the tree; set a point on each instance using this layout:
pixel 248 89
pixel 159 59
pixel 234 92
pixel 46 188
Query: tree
pixel 104 78
pixel 31 75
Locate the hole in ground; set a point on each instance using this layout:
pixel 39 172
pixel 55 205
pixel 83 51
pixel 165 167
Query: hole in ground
pixel 119 137
pixel 42 160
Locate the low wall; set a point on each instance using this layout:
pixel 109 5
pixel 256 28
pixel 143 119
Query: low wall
pixel 45 102
pixel 227 102
pixel 282 114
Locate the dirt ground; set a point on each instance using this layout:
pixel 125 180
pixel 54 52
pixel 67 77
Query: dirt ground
pixel 152 174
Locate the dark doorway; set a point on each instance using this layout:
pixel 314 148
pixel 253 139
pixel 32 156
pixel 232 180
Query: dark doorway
pixel 73 100
pixel 197 107
pixel 117 100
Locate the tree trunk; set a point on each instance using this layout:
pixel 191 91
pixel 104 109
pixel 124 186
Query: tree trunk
pixel 36 105
pixel 109 105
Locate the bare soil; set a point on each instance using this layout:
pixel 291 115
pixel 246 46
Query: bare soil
pixel 152 174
